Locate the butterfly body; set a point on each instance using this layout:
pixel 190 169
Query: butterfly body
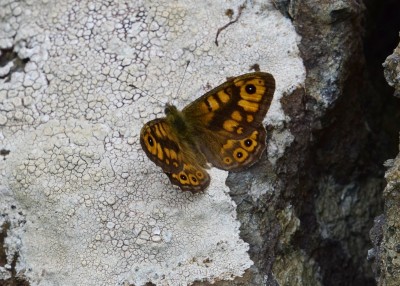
pixel 223 128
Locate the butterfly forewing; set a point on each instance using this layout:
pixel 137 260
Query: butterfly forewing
pixel 160 141
pixel 228 120
pixel 161 145
pixel 233 107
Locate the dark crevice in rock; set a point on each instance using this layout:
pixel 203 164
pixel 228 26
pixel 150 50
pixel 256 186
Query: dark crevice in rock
pixel 340 178
pixel 10 62
pixel 15 279
pixel 381 38
pixel 3 234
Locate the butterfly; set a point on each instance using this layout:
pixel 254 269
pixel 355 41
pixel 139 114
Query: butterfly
pixel 223 128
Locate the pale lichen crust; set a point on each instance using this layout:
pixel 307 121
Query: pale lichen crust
pixel 95 210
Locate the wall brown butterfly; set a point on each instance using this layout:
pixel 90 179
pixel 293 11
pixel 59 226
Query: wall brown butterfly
pixel 223 128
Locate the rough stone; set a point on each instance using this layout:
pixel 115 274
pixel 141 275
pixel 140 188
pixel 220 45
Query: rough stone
pixel 96 211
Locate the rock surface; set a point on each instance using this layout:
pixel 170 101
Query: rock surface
pixel 80 202
pixel 386 232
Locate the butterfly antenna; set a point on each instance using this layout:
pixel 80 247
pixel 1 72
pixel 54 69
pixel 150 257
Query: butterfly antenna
pixel 180 84
pixel 183 77
pixel 146 93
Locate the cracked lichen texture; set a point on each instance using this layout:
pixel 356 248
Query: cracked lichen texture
pixel 96 210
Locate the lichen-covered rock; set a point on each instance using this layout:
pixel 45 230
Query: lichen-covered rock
pixel 81 202
pixel 386 253
pixel 392 70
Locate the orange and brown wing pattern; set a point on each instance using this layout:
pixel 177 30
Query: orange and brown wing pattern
pixel 191 178
pixel 237 155
pixel 178 161
pixel 229 119
pixel 161 145
pixel 234 108
pixel 223 127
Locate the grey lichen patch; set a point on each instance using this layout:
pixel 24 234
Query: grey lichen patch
pixel 387 252
pixel 296 269
pixel 392 70
pixel 292 267
pixel 97 211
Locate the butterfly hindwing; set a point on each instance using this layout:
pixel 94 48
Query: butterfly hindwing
pixel 235 154
pixel 190 178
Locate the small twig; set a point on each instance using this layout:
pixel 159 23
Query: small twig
pixel 230 23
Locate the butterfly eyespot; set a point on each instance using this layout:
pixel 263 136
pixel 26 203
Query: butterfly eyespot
pixel 250 89
pixel 227 160
pixel 150 140
pixel 199 175
pixel 183 177
pixel 240 154
pixel 193 178
pixel 248 142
